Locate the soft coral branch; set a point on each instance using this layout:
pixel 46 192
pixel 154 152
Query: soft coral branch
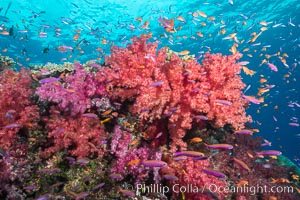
pixel 17 110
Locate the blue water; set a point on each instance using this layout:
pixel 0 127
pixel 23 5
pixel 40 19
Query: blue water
pixel 39 28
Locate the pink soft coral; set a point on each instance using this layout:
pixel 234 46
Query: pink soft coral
pixel 129 158
pixel 17 110
pixel 73 94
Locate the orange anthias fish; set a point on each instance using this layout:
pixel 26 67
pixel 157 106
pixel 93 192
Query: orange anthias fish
pixel 195 140
pixel 133 162
pixel 248 71
pixel 180 18
pixel 242 183
pixel 233 49
pixel 202 14
pixel 4 33
pixel 76 36
pixel 184 52
pixel 139 19
pixel 200 34
pixel 167 24
pixel 146 25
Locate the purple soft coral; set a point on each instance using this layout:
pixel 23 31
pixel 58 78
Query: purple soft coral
pixel 73 94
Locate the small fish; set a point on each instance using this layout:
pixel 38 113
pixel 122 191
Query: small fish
pixel 170 177
pixel 189 154
pixel 223 102
pixel 15 125
pixel 268 153
pixel 30 187
pixel 127 193
pixel 96 187
pixel 154 163
pixel 248 71
pixel 195 140
pixel 184 52
pixel 241 164
pixel 44 197
pixel 242 183
pixel 180 18
pixel 116 176
pixel 49 80
pixel 252 99
pixel 243 63
pixel 156 84
pixel 202 14
pixel 49 170
pixel 201 117
pixel 293 124
pixel 105 120
pixel 219 146
pixel 106 112
pixel 244 132
pixel 82 195
pixel 133 162
pixel 214 173
pixel 82 161
pixel 90 115
pixel 272 67
pixel 266 143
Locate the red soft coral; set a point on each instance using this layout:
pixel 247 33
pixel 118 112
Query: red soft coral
pixel 193 179
pixel 164 84
pixel 81 136
pixel 16 108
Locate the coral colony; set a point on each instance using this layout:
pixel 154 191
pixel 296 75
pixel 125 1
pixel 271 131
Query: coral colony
pixel 149 123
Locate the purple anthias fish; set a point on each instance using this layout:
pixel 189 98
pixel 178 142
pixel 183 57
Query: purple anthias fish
pixel 83 161
pixel 223 102
pixel 189 153
pixel 293 124
pixel 90 115
pixel 156 84
pixel 177 158
pixel 244 132
pixel 170 177
pixel 48 170
pixel 44 197
pixel 214 173
pixel 201 117
pixel 49 80
pixel 30 187
pixel 269 153
pixel 116 176
pixel 127 193
pixel 100 185
pixel 154 163
pixel 95 65
pixel 15 125
pixel 219 146
pixel 82 195
pixel 58 131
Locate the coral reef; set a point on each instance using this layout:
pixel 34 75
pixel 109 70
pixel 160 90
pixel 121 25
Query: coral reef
pixel 147 116
pixel 18 114
pixel 80 136
pixel 161 84
pixel 6 63
pixel 73 94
